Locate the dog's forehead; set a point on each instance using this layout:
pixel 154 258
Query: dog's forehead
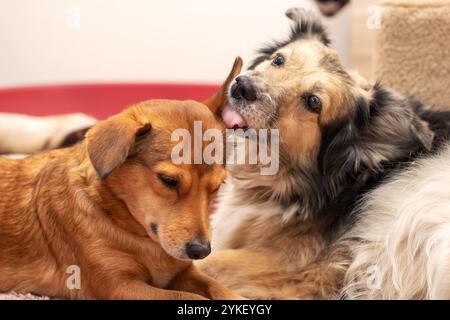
pixel 158 150
pixel 213 171
pixel 308 51
pixel 170 115
pixel 302 59
pixel 300 52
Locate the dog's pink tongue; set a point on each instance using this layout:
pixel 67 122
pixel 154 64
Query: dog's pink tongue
pixel 232 118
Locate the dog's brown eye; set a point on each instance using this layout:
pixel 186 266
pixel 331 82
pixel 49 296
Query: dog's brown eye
pixel 169 182
pixel 313 103
pixel 278 61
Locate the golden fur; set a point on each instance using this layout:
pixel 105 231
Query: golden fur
pixel 94 206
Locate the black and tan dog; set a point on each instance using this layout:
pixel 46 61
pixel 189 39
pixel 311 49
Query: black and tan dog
pixel 275 236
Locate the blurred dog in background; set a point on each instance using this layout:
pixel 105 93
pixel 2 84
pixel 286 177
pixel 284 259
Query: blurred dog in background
pixel 330 8
pixel 24 134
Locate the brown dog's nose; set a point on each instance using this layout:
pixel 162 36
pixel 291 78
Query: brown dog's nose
pixel 196 250
pixel 242 88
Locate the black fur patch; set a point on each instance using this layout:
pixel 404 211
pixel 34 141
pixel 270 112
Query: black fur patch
pixel 348 156
pixel 363 112
pixel 73 138
pixel 439 122
pixel 333 149
pixel 304 29
pixel 380 97
pixel 366 109
pixel 342 145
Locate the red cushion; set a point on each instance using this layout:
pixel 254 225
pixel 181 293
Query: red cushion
pixel 98 100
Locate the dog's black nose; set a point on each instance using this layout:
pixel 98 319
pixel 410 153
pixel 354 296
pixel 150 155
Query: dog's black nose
pixel 242 88
pixel 196 250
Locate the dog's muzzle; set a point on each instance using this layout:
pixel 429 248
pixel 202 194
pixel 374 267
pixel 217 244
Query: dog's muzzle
pixel 243 89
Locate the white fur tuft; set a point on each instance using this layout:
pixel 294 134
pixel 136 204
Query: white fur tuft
pixel 401 241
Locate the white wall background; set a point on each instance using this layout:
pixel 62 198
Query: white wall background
pixel 139 40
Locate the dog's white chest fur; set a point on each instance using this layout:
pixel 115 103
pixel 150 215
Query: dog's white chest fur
pixel 233 210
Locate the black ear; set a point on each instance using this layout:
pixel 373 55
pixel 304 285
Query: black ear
pixel 110 141
pixel 398 120
pixel 383 128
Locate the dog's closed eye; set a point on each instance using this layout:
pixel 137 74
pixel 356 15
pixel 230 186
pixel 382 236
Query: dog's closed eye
pixel 169 182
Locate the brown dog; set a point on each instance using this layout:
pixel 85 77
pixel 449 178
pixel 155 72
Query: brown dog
pixel 113 214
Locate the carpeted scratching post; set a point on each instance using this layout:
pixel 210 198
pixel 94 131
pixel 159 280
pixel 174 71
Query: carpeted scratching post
pixel 413 49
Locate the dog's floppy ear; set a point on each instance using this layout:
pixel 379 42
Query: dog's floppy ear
pixel 394 121
pixel 218 100
pixel 110 141
pixel 384 129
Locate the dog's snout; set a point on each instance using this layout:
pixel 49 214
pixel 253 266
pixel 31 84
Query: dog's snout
pixel 196 250
pixel 242 88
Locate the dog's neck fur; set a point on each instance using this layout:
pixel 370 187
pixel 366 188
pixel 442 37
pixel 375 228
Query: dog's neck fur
pixel 116 209
pixel 303 200
pixel 89 189
pixel 292 191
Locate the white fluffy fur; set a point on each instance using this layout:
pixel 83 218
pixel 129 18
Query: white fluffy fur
pixel 404 231
pixel 236 210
